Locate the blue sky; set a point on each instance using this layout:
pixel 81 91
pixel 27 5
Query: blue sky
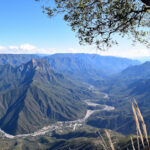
pixel 22 21
pixel 25 29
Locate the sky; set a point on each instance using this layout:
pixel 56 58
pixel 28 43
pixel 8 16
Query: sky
pixel 24 29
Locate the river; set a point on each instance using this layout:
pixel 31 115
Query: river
pixel 60 126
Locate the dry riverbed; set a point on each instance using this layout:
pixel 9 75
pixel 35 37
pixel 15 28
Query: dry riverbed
pixel 60 126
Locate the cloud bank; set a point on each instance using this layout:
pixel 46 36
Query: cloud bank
pixel 128 52
pixel 24 49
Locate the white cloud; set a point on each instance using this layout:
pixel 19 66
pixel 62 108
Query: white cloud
pixel 13 47
pixel 27 47
pixel 31 49
pixel 24 49
pixel 127 51
pixel 2 47
pixel 120 51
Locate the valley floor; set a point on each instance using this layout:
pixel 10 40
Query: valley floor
pixel 66 125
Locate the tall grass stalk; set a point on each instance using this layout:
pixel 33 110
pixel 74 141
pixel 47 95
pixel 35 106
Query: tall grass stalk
pixel 137 125
pixel 142 122
pixel 137 136
pixel 132 143
pixel 103 143
pixel 109 139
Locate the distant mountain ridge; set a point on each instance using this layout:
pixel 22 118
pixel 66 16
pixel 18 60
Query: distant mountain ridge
pixel 137 72
pixel 16 59
pixel 88 66
pixel 139 85
pixel 126 78
pixel 71 63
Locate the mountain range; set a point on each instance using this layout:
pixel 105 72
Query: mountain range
pixel 86 67
pixel 17 59
pixel 38 91
pixel 33 95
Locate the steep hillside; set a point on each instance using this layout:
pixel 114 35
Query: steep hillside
pixel 136 72
pixel 37 97
pixel 126 81
pixel 133 82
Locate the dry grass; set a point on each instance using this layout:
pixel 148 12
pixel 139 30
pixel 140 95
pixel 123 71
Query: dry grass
pixel 132 143
pixel 102 142
pixel 137 124
pixel 137 136
pixel 142 122
pixel 139 121
pixel 138 117
pixel 106 145
pixel 109 139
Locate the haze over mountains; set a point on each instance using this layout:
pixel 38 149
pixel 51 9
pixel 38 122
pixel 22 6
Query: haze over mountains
pixel 88 66
pixel 34 89
pixel 16 59
pixel 130 78
pixel 37 91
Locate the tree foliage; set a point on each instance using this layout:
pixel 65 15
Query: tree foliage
pixel 98 21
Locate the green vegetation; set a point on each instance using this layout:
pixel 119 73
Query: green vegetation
pixel 34 95
pixel 87 139
pixel 37 96
pixel 131 83
pixel 97 22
